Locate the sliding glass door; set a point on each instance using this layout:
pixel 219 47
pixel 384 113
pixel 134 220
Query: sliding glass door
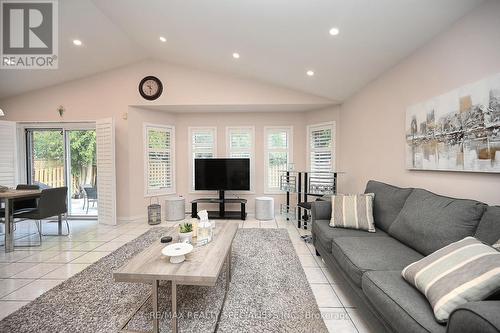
pixel 47 158
pixel 65 157
pixel 82 169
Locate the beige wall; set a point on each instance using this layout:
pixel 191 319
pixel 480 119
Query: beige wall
pixel 372 144
pixel 114 94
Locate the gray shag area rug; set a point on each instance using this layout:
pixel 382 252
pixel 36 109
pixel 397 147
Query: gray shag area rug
pixel 268 292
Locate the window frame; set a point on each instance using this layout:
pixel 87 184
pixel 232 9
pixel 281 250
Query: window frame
pixel 332 126
pixel 289 150
pixel 191 131
pixel 166 128
pixel 251 130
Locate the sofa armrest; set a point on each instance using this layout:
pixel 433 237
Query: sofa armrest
pixel 321 210
pixel 475 317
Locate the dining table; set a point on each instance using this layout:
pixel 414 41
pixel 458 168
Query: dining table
pixel 8 197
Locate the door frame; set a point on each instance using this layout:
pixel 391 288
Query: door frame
pixel 23 166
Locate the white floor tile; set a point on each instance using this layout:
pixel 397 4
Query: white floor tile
pixel 337 320
pixel 9 285
pixel 307 260
pixel 32 290
pixel 325 296
pixel 15 255
pixel 125 238
pixel 251 224
pixel 37 271
pixel 315 275
pixel 65 257
pixel 40 256
pixel 90 258
pixel 66 271
pixel 109 246
pixel 301 248
pixel 87 246
pixel 14 268
pixel 7 307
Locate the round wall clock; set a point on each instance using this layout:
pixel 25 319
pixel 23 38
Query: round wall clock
pixel 150 88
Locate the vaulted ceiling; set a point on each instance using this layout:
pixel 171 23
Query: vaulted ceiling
pixel 278 40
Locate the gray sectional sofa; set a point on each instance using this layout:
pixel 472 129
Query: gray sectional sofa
pixel 410 224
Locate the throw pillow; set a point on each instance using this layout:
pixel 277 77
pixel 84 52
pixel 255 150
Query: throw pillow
pixel 461 272
pixel 353 211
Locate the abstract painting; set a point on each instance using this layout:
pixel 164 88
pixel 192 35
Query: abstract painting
pixel 457 131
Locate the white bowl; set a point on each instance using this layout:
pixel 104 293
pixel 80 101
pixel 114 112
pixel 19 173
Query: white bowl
pixel 177 251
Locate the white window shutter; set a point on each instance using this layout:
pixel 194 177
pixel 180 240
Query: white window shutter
pixel 159 160
pixel 278 155
pixel 203 145
pixel 106 171
pixel 240 144
pixel 321 157
pixel 8 153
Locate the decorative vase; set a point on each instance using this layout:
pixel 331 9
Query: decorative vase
pixel 186 237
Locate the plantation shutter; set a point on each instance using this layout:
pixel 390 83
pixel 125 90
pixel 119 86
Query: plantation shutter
pixel 106 171
pixel 202 146
pixel 159 160
pixel 203 143
pixel 8 153
pixel 278 156
pixel 240 142
pixel 321 155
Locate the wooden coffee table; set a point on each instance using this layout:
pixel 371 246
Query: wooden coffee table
pixel 202 267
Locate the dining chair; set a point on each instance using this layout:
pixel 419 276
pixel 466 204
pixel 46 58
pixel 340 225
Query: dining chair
pixel 23 206
pixel 52 202
pixel 89 195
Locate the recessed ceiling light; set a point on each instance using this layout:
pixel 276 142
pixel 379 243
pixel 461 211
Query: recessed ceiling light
pixel 163 39
pixel 334 31
pixel 236 55
pixel 77 42
pixel 310 73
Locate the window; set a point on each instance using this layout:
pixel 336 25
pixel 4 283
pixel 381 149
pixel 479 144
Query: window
pixel 203 145
pixel 321 148
pixel 159 161
pixel 278 148
pixel 240 144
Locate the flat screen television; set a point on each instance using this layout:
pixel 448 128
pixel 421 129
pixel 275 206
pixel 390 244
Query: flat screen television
pixel 222 174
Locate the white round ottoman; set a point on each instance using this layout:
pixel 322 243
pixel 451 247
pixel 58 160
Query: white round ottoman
pixel 264 208
pixel 175 209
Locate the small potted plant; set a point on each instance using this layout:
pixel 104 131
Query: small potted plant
pixel 186 233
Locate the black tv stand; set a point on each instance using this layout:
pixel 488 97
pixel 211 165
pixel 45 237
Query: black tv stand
pixel 221 213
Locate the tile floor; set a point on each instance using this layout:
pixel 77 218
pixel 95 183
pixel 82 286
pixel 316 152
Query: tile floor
pixel 28 272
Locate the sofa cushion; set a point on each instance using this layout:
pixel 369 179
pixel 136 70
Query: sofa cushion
pixel 357 255
pixel 388 202
pixel 488 229
pixel 325 234
pixel 401 306
pixel 429 221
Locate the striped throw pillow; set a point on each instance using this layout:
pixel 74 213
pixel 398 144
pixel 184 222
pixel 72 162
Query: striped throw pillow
pixel 464 271
pixel 353 211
